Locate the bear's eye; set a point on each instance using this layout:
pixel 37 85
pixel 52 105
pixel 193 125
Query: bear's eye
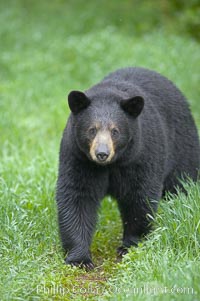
pixel 115 133
pixel 92 132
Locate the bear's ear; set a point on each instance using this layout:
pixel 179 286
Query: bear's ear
pixel 133 106
pixel 77 101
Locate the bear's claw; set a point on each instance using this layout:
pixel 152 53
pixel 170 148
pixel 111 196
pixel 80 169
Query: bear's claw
pixel 87 265
pixel 122 251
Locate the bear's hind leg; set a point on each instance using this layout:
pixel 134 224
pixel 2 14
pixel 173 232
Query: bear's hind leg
pixel 136 212
pixel 173 182
pixel 136 224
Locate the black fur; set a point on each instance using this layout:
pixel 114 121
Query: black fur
pixel 158 145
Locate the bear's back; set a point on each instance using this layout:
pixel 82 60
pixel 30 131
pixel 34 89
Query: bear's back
pixel 164 106
pixel 160 90
pixel 161 94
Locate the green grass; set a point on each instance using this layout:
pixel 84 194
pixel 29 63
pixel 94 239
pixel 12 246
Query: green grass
pixel 46 50
pixel 166 267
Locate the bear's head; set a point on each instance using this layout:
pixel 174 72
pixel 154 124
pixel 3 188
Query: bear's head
pixel 104 125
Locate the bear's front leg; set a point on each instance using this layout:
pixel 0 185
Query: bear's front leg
pixel 77 219
pixel 78 196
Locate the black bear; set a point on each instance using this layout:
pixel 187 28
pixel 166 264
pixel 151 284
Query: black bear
pixel 132 137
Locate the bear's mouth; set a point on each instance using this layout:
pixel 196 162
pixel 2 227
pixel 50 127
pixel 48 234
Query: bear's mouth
pixel 102 159
pixel 102 163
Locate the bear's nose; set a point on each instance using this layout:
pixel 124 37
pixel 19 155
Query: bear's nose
pixel 102 156
pixel 102 152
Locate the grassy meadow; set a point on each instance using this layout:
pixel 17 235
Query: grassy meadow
pixel 46 50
